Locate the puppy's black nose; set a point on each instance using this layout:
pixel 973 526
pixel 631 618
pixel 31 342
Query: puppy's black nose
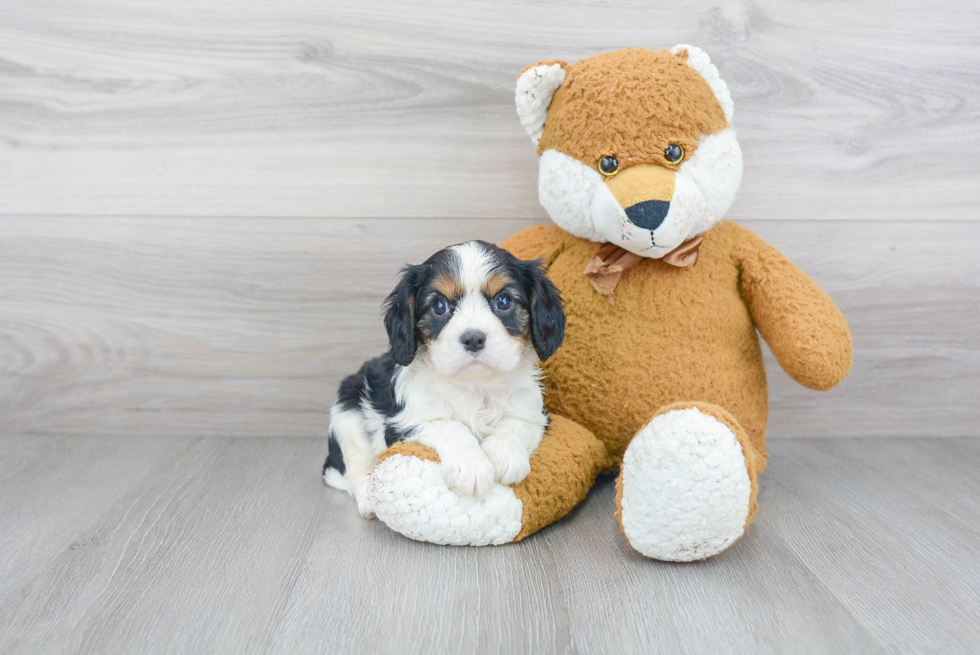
pixel 473 340
pixel 648 214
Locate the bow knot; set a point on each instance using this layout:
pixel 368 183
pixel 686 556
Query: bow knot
pixel 611 262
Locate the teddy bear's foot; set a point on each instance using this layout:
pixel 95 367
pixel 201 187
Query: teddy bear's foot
pixel 686 491
pixel 409 493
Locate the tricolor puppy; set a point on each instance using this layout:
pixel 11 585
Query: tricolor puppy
pixel 467 330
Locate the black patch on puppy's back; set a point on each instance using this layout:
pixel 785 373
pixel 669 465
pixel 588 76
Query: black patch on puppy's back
pixel 374 385
pixel 335 458
pixel 351 390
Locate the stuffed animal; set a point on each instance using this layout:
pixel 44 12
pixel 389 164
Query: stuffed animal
pixel 661 374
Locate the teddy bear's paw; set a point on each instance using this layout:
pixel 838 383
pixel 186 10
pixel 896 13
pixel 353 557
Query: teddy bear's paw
pixel 511 461
pixel 685 490
pixel 410 496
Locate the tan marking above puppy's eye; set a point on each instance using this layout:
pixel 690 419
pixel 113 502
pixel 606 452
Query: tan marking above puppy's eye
pixel 448 286
pixel 673 153
pixel 608 165
pixel 496 283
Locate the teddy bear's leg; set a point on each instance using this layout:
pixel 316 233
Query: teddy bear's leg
pixel 409 495
pixel 688 485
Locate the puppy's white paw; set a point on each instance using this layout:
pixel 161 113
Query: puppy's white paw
pixel 510 460
pixel 467 471
pixel 363 503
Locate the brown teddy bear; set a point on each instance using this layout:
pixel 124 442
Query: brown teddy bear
pixel 661 372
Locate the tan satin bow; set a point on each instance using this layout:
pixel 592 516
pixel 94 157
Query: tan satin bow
pixel 611 261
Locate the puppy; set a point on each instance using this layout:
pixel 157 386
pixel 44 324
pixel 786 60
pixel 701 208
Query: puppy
pixel 467 330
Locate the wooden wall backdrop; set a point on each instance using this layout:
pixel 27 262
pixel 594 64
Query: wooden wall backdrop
pixel 203 204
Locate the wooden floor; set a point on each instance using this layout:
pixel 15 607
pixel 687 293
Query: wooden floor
pixel 145 545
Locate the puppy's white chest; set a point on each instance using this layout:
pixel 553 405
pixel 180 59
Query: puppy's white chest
pixel 482 410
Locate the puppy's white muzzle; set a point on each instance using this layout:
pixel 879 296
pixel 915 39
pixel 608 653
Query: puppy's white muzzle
pixel 456 351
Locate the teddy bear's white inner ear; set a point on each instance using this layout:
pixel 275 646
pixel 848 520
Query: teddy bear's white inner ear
pixel 535 88
pixel 699 60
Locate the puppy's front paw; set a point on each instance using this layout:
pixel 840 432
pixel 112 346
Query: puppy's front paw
pixel 467 471
pixel 363 502
pixel 510 460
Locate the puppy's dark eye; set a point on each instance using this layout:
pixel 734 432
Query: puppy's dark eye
pixel 503 303
pixel 608 165
pixel 440 307
pixel 673 153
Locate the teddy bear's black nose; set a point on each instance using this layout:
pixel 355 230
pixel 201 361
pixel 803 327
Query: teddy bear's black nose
pixel 648 214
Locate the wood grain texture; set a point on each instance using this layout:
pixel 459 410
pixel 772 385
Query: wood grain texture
pixel 52 488
pixel 198 327
pixel 899 517
pixel 391 109
pixel 235 545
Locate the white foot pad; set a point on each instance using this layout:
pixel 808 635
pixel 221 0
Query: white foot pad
pixel 410 496
pixel 686 489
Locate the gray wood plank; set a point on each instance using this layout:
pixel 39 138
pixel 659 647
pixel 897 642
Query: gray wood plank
pixel 755 598
pixel 234 545
pixel 370 590
pixel 52 488
pixel 245 327
pixel 892 516
pixel 192 560
pixel 406 109
pixel 196 327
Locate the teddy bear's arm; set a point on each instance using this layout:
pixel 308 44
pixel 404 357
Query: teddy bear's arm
pixel 804 328
pixel 543 242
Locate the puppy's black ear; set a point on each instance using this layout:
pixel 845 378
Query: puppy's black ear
pixel 547 315
pixel 399 315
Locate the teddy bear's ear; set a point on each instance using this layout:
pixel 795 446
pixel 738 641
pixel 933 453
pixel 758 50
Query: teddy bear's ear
pixel 535 88
pixel 699 60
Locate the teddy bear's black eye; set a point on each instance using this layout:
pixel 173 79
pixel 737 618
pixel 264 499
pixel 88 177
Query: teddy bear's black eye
pixel 673 153
pixel 608 165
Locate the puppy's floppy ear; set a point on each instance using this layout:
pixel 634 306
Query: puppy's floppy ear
pixel 399 314
pixel 535 88
pixel 547 314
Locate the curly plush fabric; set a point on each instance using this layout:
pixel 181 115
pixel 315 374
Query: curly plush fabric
pixel 562 472
pixel 718 477
pixel 805 330
pixel 605 97
pixel 688 484
pixel 410 496
pixel 683 334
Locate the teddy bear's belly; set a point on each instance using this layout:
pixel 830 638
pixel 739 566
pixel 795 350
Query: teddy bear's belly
pixel 673 335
